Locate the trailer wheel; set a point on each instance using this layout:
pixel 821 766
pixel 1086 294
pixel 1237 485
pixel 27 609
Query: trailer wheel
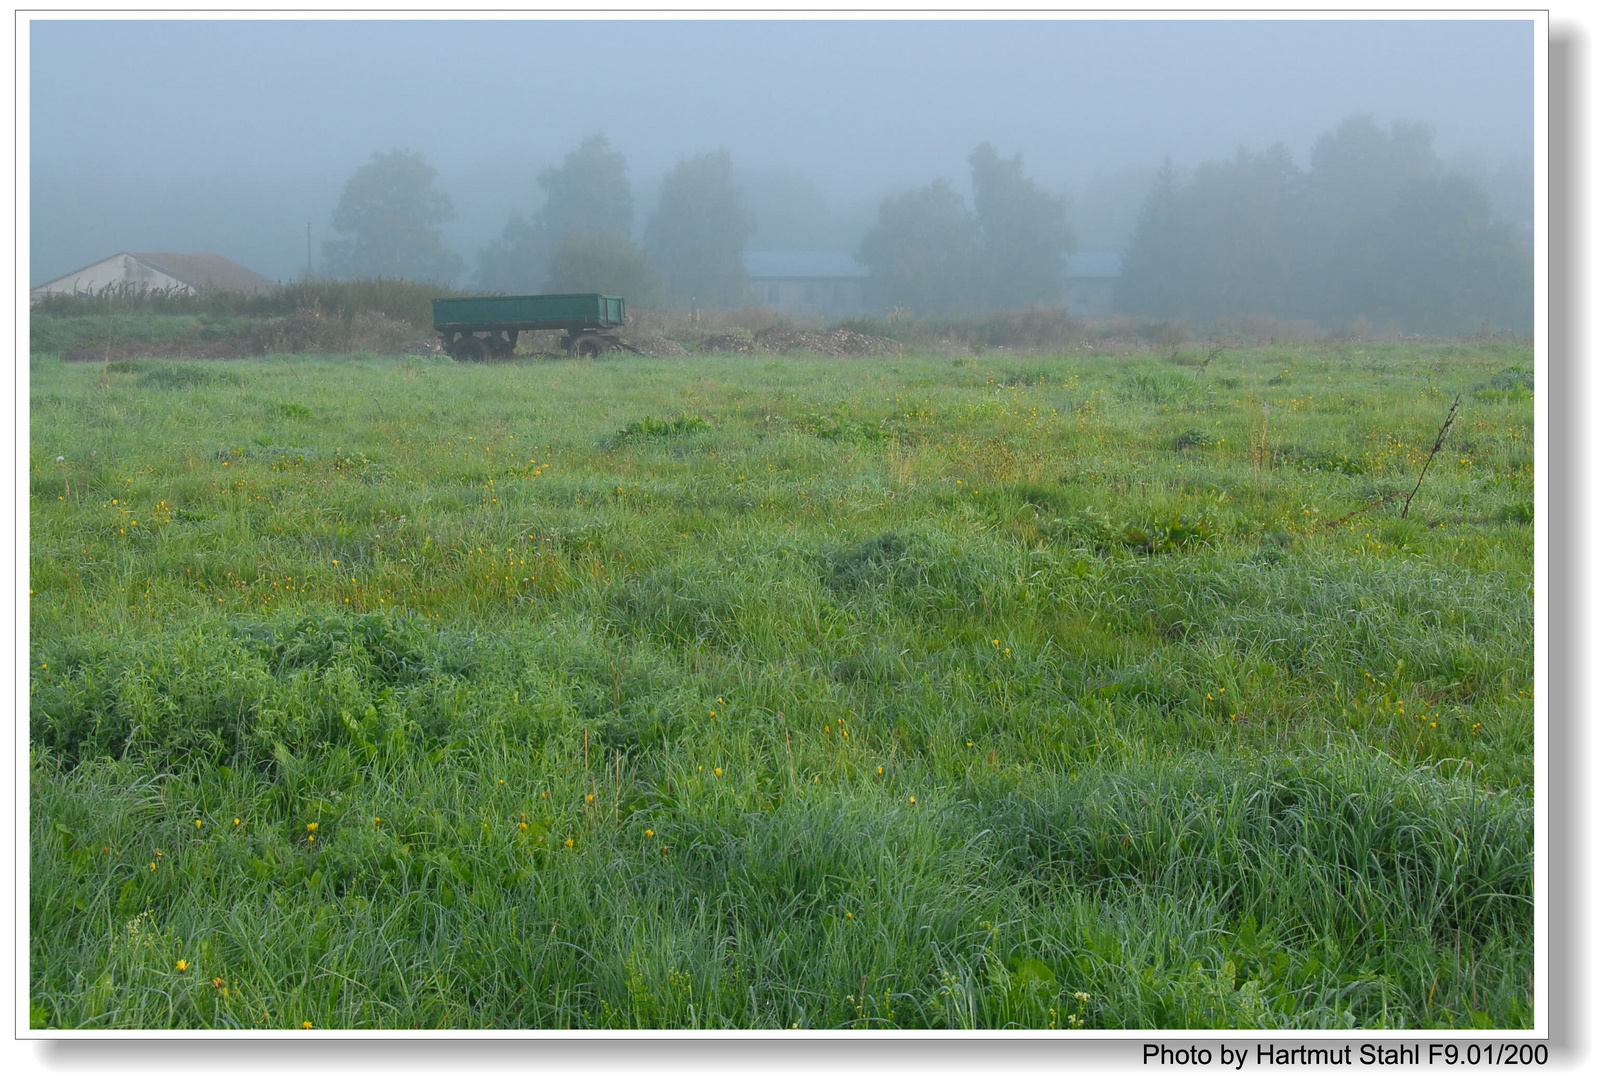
pixel 590 346
pixel 471 349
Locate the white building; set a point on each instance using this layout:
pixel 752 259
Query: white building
pixel 157 270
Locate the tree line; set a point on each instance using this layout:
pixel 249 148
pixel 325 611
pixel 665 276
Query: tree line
pixel 1377 228
pixel 578 240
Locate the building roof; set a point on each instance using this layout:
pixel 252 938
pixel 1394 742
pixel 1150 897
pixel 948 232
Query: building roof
pixel 1095 264
pixel 205 270
pixel 802 264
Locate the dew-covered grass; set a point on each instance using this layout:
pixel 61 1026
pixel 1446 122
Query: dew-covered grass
pixel 725 691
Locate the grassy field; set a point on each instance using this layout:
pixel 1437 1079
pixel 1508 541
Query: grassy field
pixel 1076 691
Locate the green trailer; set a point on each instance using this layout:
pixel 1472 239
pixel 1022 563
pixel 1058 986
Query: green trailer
pixel 483 327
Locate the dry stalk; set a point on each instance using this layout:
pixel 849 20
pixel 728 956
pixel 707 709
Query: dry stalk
pixel 1370 505
pixel 1260 447
pixel 1441 436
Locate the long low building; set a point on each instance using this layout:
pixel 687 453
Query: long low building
pixel 831 284
pixel 806 283
pixel 157 270
pixel 1091 282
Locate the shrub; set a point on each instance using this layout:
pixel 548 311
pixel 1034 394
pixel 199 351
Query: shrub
pixel 407 301
pixel 602 262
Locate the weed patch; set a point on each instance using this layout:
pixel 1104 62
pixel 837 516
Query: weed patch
pixel 651 428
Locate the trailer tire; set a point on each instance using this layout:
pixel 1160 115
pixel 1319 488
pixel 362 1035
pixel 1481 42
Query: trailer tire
pixel 590 346
pixel 471 349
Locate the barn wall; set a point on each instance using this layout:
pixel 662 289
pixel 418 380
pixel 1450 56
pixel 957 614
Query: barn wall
pixel 807 297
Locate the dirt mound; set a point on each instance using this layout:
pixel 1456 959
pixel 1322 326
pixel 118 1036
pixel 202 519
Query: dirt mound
pixel 837 342
pixel 732 343
pixel 781 339
pixel 654 345
pixel 422 347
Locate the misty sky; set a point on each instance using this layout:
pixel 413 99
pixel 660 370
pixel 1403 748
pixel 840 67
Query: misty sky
pixel 231 135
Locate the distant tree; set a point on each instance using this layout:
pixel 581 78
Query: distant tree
pixel 923 252
pixel 1510 185
pixel 1357 169
pixel 1025 230
pixel 602 262
pixel 1439 262
pixel 1240 259
pixel 390 212
pixel 1153 280
pixel 1356 176
pixel 791 211
pixel 517 261
pixel 1220 245
pixel 697 233
pixel 587 193
pixel 1376 229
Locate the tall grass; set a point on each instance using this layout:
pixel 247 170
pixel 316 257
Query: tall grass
pixel 741 691
pixel 400 299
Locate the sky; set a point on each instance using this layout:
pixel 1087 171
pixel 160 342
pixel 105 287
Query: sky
pixel 234 135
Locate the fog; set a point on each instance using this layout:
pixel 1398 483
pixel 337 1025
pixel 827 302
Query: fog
pixel 232 136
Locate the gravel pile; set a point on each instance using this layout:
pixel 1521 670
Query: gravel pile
pixel 838 342
pixel 422 347
pixel 734 343
pixel 781 339
pixel 654 345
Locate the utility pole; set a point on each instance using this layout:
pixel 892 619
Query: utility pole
pixel 309 251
